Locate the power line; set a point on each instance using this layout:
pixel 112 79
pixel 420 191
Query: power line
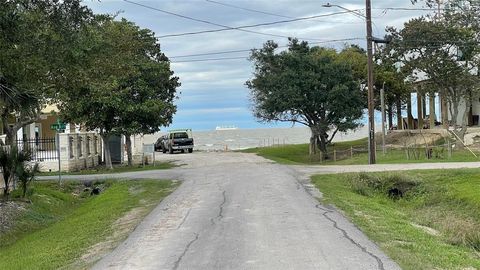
pixel 248 9
pixel 209 22
pixel 253 25
pixel 246 57
pixel 408 9
pixel 256 10
pixel 211 59
pixel 243 50
pixel 210 53
pixel 247 50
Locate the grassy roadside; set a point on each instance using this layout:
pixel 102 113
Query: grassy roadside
pixel 117 169
pixel 435 225
pixel 69 228
pixel 298 154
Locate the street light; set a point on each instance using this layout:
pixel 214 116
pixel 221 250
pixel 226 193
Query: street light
pixel 346 9
pixel 371 119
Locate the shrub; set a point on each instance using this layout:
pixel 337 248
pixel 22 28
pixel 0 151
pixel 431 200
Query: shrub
pixel 394 186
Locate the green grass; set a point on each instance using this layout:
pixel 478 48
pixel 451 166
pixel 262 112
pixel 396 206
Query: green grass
pixel 117 169
pixel 61 224
pixel 446 203
pixel 297 154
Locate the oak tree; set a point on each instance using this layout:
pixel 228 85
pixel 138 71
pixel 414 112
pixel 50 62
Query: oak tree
pixel 312 86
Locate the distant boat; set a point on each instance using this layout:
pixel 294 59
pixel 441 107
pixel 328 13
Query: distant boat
pixel 226 128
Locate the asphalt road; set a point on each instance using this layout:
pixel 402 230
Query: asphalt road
pixel 240 211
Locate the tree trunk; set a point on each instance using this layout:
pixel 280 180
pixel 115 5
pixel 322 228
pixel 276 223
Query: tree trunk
pixel 323 145
pixel 108 158
pixel 128 143
pixel 6 181
pixel 399 114
pixel 318 141
pixel 409 114
pixel 10 133
pixel 461 132
pixel 312 150
pixel 390 115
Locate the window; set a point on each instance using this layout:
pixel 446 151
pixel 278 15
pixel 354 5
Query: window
pixel 180 135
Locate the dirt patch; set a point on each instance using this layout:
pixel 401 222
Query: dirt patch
pixel 405 138
pixel 135 190
pixel 426 229
pixel 9 211
pixel 121 228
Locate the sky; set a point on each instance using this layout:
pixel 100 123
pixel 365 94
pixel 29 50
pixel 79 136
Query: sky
pixel 213 91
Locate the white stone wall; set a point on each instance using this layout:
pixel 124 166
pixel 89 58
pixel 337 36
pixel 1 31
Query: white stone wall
pixel 77 151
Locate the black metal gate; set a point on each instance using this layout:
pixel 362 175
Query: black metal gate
pixel 115 146
pixel 41 148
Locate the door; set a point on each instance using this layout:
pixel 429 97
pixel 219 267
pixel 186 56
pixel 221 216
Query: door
pixel 115 145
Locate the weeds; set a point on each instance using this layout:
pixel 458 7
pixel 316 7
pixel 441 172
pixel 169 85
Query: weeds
pixel 394 186
pixel 434 225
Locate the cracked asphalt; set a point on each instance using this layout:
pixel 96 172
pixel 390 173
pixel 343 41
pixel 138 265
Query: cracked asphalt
pixel 240 211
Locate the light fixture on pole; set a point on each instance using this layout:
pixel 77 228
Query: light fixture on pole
pixel 371 118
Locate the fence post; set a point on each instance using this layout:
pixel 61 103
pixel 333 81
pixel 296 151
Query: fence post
pixel 321 156
pixel 351 151
pixel 334 155
pixel 58 156
pixel 449 146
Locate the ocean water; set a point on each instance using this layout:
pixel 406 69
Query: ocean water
pixel 221 140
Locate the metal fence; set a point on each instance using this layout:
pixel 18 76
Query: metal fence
pixel 42 148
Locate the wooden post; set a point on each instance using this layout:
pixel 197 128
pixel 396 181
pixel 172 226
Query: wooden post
pixel 444 111
pixel 419 110
pixel 431 109
pixel 334 155
pixel 382 102
pixel 449 150
pixel 351 151
pixel 424 106
pixel 399 115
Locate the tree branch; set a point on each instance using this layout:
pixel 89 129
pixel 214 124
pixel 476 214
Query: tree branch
pixel 332 136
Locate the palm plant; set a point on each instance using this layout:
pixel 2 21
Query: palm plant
pixel 14 164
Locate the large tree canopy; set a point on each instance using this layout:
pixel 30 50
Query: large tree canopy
pixel 126 86
pixel 313 86
pixel 37 45
pixel 444 53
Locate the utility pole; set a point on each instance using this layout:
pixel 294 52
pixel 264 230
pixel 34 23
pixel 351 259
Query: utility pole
pixel 371 119
pixel 382 99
